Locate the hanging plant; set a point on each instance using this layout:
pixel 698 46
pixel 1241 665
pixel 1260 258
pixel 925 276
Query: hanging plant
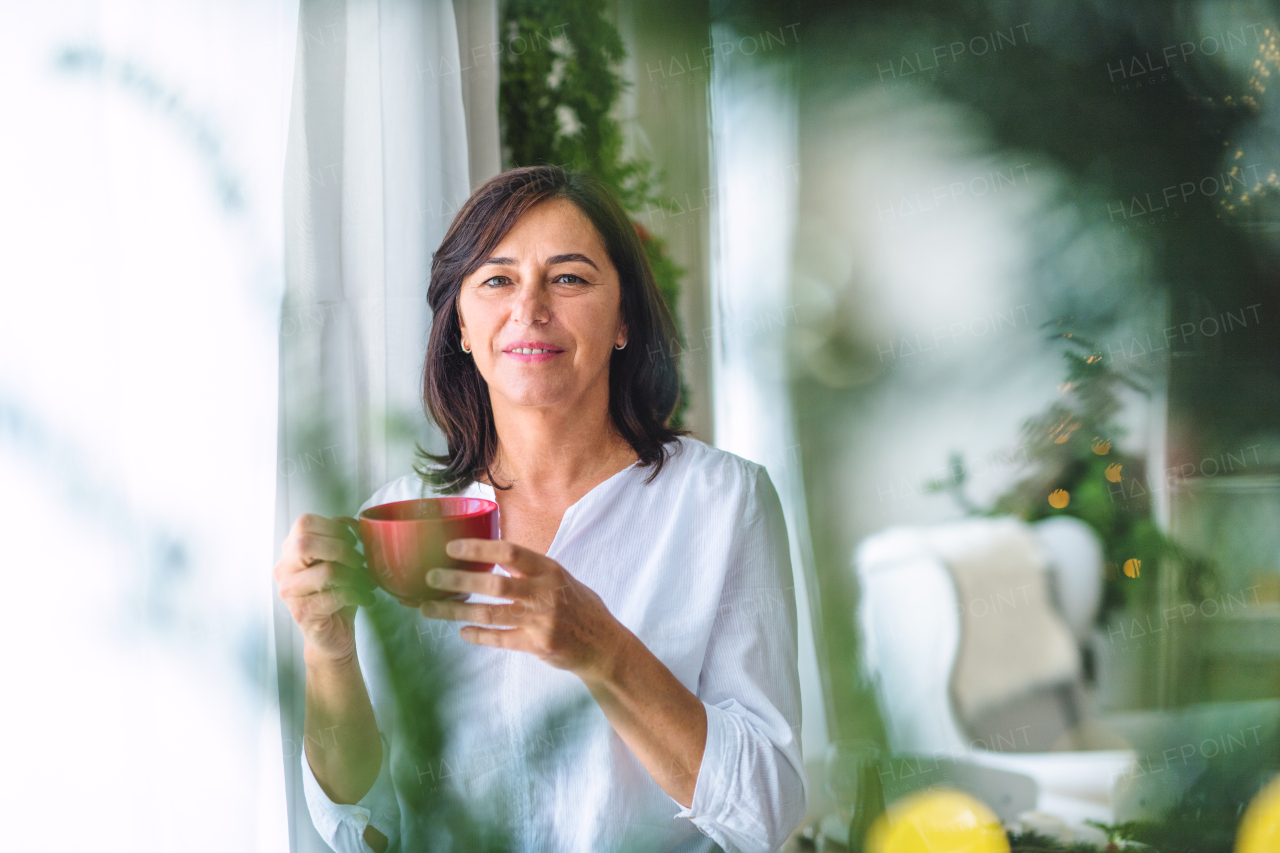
pixel 558 86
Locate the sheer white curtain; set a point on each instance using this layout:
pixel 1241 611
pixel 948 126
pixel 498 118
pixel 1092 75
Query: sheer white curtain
pixel 393 123
pixel 755 148
pixel 141 168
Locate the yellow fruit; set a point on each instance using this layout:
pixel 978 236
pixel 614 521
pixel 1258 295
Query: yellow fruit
pixel 1113 472
pixel 939 820
pixel 1260 828
pixel 1059 498
pixel 1131 567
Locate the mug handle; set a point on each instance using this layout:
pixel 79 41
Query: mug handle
pixel 354 526
pixel 352 523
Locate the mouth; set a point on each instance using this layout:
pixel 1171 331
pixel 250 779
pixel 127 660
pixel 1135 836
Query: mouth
pixel 533 351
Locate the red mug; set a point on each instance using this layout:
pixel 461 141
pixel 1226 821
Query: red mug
pixel 405 540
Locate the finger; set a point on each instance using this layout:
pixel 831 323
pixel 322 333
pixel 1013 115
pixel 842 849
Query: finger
pixel 330 601
pixel 327 602
pixel 460 580
pixel 315 547
pixel 441 595
pixel 324 575
pixel 482 614
pixel 517 559
pixel 500 638
pixel 321 526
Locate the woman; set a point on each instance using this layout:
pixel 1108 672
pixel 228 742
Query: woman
pixel 662 604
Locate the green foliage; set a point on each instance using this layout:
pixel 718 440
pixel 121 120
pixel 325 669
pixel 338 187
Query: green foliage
pixel 557 92
pixel 559 85
pixel 1179 834
pixel 418 681
pixel 1034 842
pixel 1071 446
pixel 1204 819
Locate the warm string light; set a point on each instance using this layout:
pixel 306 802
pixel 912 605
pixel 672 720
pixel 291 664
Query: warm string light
pixel 1269 58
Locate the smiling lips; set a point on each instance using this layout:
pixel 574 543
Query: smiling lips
pixel 531 351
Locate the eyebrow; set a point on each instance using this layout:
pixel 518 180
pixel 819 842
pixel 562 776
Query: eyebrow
pixel 551 261
pixel 571 258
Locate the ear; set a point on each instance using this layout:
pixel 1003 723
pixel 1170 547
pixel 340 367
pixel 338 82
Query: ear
pixel 457 309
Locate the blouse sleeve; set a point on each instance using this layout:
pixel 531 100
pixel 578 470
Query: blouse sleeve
pixel 342 826
pixel 751 790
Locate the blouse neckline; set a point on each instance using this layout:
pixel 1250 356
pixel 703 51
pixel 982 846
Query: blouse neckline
pixel 487 492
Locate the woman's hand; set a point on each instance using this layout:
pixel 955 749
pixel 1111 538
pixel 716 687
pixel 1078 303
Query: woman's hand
pixel 553 615
pixel 322 579
pixel 565 624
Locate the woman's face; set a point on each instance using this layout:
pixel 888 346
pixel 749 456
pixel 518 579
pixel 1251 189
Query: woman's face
pixel 549 284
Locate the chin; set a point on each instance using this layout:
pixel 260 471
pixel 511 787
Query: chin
pixel 538 394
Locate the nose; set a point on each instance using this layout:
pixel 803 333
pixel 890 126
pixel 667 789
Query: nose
pixel 531 305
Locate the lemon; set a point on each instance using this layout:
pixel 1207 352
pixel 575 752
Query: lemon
pixel 1260 828
pixel 939 820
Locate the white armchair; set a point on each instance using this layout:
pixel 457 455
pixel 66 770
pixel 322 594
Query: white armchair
pixel 972 631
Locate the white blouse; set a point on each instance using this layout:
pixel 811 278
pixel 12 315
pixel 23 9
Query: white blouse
pixel 696 564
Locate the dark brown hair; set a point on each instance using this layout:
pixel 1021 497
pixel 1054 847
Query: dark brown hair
pixel 644 379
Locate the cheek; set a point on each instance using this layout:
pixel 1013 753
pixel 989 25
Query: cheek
pixel 594 331
pixel 480 315
pixel 598 318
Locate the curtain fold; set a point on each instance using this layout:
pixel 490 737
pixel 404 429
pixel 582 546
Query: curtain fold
pixel 393 122
pixel 755 153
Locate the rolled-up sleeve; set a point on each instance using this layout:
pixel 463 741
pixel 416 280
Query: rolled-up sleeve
pixel 342 826
pixel 751 791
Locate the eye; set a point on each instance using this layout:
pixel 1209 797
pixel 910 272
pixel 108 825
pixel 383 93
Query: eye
pixel 573 278
pixel 500 279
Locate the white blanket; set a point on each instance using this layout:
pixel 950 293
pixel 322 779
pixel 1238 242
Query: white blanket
pixel 1012 639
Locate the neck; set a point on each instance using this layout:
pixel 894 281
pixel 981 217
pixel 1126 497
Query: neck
pixel 555 448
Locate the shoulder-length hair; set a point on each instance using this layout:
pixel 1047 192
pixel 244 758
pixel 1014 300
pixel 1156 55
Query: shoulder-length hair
pixel 644 379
